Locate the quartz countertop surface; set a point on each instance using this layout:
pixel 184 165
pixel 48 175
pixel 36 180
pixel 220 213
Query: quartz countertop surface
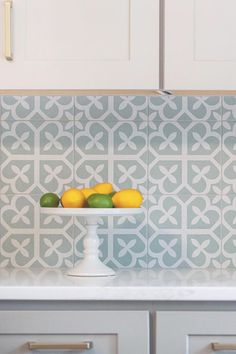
pixel 127 285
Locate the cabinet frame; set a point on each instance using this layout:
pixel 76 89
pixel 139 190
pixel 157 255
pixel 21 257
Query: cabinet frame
pixel 174 327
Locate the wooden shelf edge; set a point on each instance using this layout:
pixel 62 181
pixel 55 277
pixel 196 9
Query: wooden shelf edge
pixel 81 92
pixel 118 92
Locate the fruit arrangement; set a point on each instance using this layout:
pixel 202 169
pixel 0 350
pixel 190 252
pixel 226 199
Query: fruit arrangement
pixel 101 195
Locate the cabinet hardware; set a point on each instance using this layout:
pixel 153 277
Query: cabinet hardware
pixel 7 30
pixel 60 346
pixel 167 92
pixel 222 346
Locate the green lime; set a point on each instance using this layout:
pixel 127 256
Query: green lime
pixel 49 200
pixel 100 201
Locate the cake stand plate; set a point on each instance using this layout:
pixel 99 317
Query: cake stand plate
pixel 91 265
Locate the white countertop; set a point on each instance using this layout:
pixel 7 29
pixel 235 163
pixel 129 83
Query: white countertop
pixel 140 285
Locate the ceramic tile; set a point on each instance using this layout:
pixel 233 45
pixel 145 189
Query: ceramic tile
pixel 30 239
pixel 116 153
pixel 178 151
pixel 38 156
pixel 184 158
pixel 229 232
pixel 229 108
pixel 123 240
pixel 37 107
pixel 229 157
pixel 194 108
pixel 184 231
pixel 103 108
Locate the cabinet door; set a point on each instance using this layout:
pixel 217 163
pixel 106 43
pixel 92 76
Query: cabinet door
pixel 200 44
pixel 80 44
pixel 121 332
pixel 195 332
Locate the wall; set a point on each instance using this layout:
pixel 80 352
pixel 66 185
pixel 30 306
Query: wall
pixel 179 151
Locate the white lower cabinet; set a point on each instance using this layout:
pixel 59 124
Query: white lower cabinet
pixel 57 332
pixel 194 332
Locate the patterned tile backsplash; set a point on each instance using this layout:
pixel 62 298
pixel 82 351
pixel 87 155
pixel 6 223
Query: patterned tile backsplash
pixel 179 151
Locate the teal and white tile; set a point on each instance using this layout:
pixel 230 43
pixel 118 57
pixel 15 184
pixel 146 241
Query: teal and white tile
pixel 229 156
pixel 175 108
pixel 229 232
pixel 178 151
pixel 38 156
pixel 92 107
pixel 184 231
pixel 107 107
pixel 131 107
pixel 184 159
pixel 37 107
pixel 123 240
pixel 117 153
pixel 229 108
pixel 30 239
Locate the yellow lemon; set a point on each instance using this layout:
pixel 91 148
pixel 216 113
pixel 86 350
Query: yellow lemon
pixel 127 198
pixel 73 198
pixel 87 192
pixel 103 188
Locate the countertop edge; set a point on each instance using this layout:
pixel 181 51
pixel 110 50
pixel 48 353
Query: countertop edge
pixel 118 294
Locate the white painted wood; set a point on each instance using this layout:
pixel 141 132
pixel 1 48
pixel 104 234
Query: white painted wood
pixel 92 212
pixel 112 332
pixel 200 50
pixel 82 44
pixel 191 332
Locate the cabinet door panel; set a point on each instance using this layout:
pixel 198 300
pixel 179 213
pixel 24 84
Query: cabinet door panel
pixel 194 332
pixel 77 30
pixel 112 332
pixel 82 44
pixel 200 51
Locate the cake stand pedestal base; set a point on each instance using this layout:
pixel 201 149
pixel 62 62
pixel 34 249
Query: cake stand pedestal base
pixel 91 265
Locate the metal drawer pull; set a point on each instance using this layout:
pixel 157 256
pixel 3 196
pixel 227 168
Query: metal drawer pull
pixel 7 30
pixel 221 346
pixel 81 346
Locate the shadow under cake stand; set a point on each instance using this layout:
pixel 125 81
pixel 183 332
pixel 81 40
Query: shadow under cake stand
pixel 91 265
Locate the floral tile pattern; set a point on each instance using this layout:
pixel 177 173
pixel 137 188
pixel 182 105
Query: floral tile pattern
pixel 229 231
pixel 105 107
pixel 30 239
pixel 37 107
pixel 37 157
pixel 184 230
pixel 229 156
pixel 229 108
pixel 184 159
pixel 123 240
pixel 179 151
pixel 116 153
pixel 194 108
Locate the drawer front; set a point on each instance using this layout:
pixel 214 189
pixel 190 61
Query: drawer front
pixel 63 332
pixel 28 343
pixel 190 332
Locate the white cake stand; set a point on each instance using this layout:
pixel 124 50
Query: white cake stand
pixel 91 265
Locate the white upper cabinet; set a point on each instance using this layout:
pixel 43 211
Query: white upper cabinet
pixel 79 44
pixel 200 44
